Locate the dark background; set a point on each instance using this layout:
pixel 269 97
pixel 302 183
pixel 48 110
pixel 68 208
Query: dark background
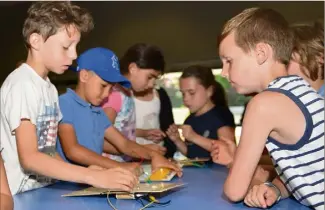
pixel 186 31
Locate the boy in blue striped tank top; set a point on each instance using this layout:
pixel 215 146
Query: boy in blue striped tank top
pixel 286 116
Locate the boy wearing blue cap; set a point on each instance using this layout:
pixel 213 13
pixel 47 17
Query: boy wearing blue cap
pixel 85 131
pixel 29 104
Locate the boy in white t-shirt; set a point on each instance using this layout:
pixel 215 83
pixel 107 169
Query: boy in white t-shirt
pixel 29 104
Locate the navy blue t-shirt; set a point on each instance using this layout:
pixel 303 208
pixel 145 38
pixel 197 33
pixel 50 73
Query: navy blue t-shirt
pixel 205 125
pixel 226 116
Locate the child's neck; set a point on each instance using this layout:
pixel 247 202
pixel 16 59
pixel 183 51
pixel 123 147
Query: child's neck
pixel 145 95
pixel 317 84
pixel 275 71
pixel 81 93
pixel 37 66
pixel 207 107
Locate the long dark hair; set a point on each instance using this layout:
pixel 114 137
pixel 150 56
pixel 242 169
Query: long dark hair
pixel 206 78
pixel 145 56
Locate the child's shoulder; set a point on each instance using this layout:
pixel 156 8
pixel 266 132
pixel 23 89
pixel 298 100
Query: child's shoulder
pixel 19 79
pixel 268 102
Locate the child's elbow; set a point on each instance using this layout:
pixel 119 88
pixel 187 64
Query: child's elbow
pixel 27 162
pixel 70 154
pixel 233 193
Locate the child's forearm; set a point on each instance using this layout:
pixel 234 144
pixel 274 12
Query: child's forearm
pixel 181 146
pixel 58 157
pixel 86 157
pixel 110 149
pixel 203 142
pixel 6 202
pixel 46 165
pixel 140 133
pixel 135 150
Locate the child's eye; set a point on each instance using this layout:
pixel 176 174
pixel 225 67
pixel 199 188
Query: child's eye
pixel 65 48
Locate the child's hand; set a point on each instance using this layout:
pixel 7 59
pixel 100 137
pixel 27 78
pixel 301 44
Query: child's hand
pixel 155 135
pixel 173 133
pixel 113 179
pixel 133 167
pixel 188 132
pixel 159 161
pixel 157 148
pixel 223 151
pixel 261 196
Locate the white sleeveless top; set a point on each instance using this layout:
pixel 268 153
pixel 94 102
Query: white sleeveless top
pixel 147 116
pixel 301 166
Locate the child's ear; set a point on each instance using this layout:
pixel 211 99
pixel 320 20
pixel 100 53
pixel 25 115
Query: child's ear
pixel 133 68
pixel 210 91
pixel 35 41
pixel 83 75
pixel 262 52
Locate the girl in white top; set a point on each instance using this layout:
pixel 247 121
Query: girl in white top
pixel 147 108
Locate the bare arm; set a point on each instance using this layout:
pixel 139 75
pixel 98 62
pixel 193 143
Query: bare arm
pixel 111 114
pixel 33 160
pixel 206 143
pixel 256 127
pixel 78 153
pixel 181 146
pixel 6 202
pixel 135 150
pixel 126 146
pixel 140 133
pixel 58 157
pixel 227 132
pixel 110 149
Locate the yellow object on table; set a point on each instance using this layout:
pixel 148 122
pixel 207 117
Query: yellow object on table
pixel 160 174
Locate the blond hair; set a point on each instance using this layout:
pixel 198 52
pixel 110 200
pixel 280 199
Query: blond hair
pixel 309 45
pixel 46 17
pixel 255 25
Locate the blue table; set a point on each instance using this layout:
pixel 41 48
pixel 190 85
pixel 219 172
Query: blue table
pixel 203 192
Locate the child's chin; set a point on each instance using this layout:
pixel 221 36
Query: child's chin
pixel 61 71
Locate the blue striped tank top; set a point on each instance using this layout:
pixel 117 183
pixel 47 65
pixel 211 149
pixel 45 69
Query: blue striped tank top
pixel 301 166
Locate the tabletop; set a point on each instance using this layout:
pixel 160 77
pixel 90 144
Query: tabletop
pixel 204 190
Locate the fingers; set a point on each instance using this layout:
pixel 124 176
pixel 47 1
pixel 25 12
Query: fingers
pixel 260 196
pixel 255 197
pixel 158 133
pixel 270 197
pixel 172 166
pixel 249 198
pixel 118 178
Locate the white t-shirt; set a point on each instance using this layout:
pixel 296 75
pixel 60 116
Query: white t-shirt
pixel 25 95
pixel 147 116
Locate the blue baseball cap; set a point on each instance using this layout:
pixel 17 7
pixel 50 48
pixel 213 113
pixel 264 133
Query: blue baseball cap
pixel 104 63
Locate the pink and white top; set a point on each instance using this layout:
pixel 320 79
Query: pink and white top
pixel 122 102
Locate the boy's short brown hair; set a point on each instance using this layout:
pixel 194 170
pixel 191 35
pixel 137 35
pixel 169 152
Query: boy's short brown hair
pixel 46 17
pixel 309 45
pixel 256 25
